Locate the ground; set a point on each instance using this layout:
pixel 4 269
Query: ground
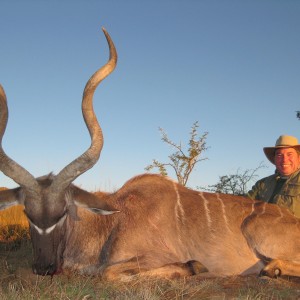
pixel 18 282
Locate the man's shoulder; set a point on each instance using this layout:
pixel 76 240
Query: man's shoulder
pixel 263 188
pixel 295 177
pixel 268 178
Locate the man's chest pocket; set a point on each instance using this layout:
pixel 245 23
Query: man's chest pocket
pixel 290 197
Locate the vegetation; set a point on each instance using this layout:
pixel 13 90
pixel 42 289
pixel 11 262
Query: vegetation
pixel 182 162
pixel 18 282
pixel 13 228
pixel 236 184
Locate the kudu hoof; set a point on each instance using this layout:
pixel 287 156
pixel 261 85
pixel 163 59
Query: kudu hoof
pixel 272 273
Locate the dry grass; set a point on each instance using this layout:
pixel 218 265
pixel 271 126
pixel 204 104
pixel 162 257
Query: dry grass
pixel 13 215
pixel 13 228
pixel 18 282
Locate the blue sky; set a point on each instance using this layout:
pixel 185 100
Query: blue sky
pixel 232 65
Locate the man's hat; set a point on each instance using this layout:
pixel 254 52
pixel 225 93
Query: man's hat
pixel 284 141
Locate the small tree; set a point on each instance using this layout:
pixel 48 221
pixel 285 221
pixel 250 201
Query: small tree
pixel 236 184
pixel 182 163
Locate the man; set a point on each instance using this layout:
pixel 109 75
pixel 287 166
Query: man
pixel 283 187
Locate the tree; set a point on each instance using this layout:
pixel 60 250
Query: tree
pixel 236 184
pixel 182 163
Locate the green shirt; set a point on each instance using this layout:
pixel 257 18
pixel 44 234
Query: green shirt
pixel 284 192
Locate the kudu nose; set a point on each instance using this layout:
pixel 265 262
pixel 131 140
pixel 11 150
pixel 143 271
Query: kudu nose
pixel 44 270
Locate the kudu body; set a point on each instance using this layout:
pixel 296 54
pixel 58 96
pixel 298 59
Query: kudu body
pixel 160 229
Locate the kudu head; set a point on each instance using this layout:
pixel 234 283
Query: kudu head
pixel 50 200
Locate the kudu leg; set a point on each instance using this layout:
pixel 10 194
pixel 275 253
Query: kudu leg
pixel 278 267
pixel 127 271
pixel 274 236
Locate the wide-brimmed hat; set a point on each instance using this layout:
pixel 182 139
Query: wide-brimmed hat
pixel 284 141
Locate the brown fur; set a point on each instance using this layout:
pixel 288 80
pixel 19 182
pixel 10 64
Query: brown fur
pixel 228 235
pixel 162 229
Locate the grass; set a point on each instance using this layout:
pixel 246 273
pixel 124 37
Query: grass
pixel 13 215
pixel 18 282
pixel 13 228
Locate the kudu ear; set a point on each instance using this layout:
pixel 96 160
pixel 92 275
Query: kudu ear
pixel 10 198
pixel 101 211
pixel 91 202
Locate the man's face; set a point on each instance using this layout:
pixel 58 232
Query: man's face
pixel 287 161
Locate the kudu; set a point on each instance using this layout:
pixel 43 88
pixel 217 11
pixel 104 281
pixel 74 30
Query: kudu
pixel 160 229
